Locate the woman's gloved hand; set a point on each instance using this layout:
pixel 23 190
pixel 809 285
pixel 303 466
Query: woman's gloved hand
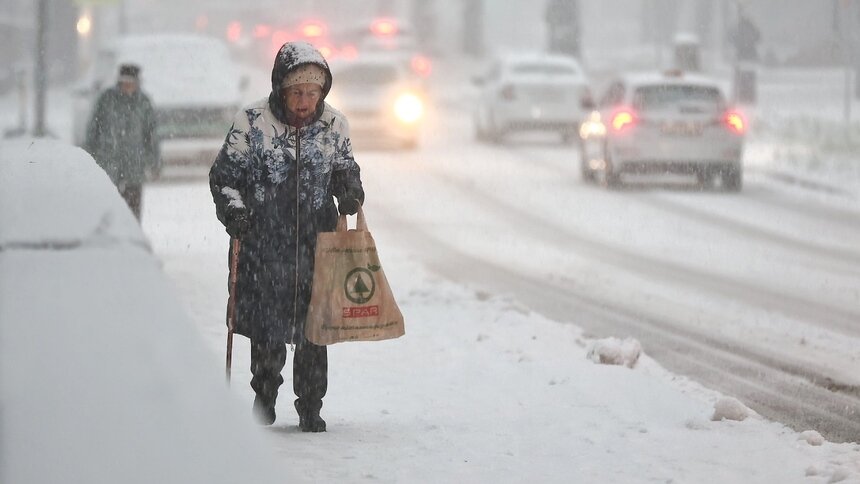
pixel 239 224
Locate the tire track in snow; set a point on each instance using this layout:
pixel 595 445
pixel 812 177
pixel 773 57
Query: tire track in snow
pixel 784 391
pixel 837 256
pixel 810 209
pixel 814 312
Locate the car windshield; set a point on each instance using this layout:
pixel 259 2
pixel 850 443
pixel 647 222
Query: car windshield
pixel 367 74
pixel 662 97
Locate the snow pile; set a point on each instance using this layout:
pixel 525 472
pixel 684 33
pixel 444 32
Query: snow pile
pixel 55 195
pixel 729 408
pixel 615 351
pixel 811 437
pixel 102 377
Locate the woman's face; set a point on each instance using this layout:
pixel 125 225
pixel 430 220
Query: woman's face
pixel 302 99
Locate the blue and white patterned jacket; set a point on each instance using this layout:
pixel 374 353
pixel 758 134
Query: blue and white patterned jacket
pixel 284 180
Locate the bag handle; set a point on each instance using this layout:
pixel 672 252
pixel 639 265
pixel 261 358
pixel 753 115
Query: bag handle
pixel 360 222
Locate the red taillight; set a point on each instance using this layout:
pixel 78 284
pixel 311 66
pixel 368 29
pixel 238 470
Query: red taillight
pixel 234 31
pixel 384 27
pixel 261 31
pixel 313 29
pixel 326 51
pixel 735 122
pixel 421 65
pixel 507 93
pixel 279 38
pixel 622 119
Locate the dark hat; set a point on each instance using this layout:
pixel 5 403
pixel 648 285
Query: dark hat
pixel 129 72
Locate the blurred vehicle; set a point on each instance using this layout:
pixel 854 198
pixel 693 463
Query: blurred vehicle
pixel 544 92
pixel 193 83
pixel 383 35
pixel 382 99
pixel 664 123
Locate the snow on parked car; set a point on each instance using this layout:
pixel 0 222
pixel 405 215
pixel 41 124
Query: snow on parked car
pixel 193 83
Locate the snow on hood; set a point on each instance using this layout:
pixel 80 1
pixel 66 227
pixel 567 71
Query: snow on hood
pixel 183 70
pixel 56 195
pixel 103 378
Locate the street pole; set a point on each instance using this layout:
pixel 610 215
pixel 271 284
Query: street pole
pixel 845 49
pixel 473 28
pixel 39 74
pixel 123 18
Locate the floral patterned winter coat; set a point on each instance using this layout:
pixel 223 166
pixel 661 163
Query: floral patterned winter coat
pixel 283 180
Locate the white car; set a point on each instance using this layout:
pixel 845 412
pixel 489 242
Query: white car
pixel 664 123
pixel 194 86
pixel 531 92
pixel 383 100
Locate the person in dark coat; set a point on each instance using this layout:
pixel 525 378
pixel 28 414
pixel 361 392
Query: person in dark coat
pixel 284 161
pixel 121 136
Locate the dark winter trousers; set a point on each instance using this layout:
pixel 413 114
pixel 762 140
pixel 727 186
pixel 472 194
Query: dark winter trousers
pixel 310 373
pixel 132 193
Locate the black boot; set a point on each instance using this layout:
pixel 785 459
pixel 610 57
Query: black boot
pixel 264 410
pixel 309 416
pixel 310 380
pixel 267 360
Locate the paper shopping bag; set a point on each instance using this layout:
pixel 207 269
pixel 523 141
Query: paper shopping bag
pixel 350 299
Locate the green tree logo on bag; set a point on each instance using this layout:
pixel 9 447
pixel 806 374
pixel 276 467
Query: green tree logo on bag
pixel 360 285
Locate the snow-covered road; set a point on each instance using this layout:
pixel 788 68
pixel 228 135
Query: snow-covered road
pixel 756 294
pixel 752 294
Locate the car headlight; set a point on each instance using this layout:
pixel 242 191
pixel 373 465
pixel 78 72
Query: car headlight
pixel 592 127
pixel 408 108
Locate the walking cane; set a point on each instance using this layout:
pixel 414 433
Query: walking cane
pixel 231 301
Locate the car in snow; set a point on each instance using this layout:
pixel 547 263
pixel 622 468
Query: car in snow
pixel 382 98
pixel 525 92
pixel 193 83
pixel 668 122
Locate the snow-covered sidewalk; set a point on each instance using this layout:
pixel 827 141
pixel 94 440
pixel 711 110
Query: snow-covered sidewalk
pixel 480 389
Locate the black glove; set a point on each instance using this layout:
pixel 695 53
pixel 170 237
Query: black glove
pixel 348 204
pixel 238 225
pixel 348 207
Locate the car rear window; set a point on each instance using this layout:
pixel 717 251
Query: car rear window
pixel 673 96
pixel 544 69
pixel 367 74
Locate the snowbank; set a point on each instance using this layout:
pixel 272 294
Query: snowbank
pixel 102 377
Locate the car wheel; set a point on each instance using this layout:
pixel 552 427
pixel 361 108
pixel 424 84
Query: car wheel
pixel 705 179
pixel 733 179
pixel 611 177
pixel 588 174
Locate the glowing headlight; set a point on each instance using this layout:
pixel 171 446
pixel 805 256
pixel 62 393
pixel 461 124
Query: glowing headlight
pixel 592 127
pixel 408 108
